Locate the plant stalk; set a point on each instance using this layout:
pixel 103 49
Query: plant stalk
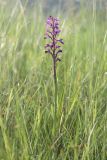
pixel 55 84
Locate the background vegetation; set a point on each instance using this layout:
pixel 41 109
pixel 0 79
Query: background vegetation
pixel 28 130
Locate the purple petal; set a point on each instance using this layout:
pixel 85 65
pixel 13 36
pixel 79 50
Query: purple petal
pixel 56 19
pixel 61 41
pixel 48 51
pixel 57 46
pixel 60 51
pixel 57 31
pixel 49 45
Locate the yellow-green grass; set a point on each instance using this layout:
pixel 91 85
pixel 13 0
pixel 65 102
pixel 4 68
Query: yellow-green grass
pixel 28 130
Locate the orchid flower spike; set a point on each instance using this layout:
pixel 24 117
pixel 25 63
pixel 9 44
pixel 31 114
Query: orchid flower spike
pixel 52 33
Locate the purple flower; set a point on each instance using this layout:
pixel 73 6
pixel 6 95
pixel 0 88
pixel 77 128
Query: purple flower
pixel 52 33
pixel 53 47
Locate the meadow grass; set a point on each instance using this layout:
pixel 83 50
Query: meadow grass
pixel 28 130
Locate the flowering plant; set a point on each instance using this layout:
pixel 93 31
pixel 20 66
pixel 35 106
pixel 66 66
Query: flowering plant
pixel 53 47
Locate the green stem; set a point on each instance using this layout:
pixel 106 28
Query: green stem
pixel 55 83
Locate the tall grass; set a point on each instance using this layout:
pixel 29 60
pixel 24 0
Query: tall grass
pixel 27 127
